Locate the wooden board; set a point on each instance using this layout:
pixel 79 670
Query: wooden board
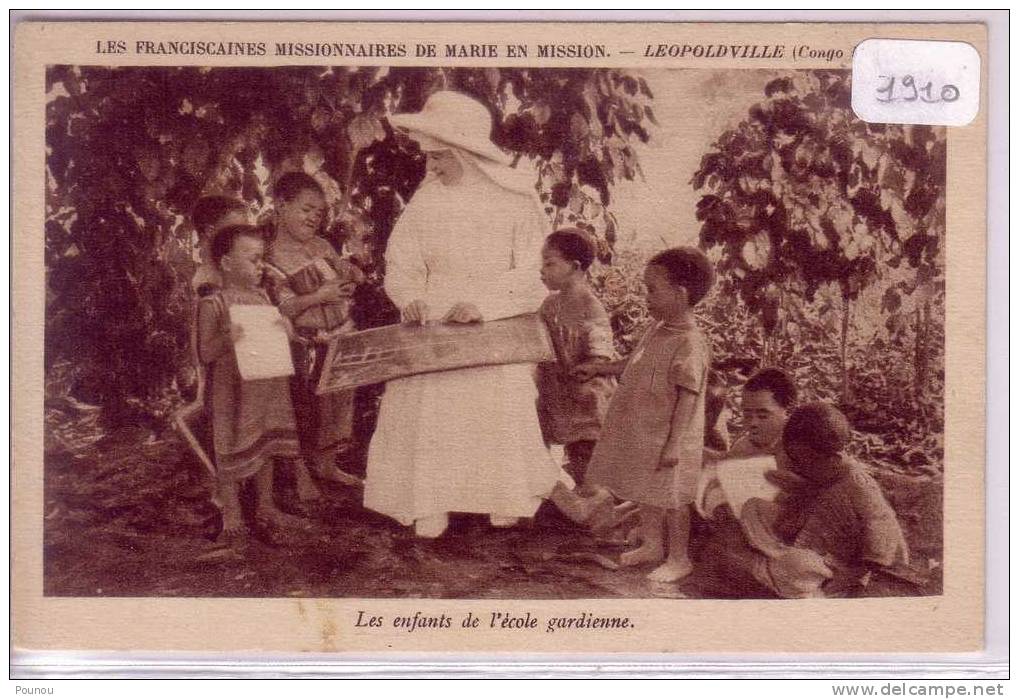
pixel 394 351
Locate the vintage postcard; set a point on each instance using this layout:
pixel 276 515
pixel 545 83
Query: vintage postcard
pixel 493 337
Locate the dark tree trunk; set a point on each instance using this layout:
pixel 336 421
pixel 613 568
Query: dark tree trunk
pixel 845 349
pixel 921 351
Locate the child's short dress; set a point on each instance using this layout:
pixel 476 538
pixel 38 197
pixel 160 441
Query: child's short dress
pixel 326 421
pixel 571 412
pixel 252 421
pixel 669 358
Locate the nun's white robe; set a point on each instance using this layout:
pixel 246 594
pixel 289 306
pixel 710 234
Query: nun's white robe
pixel 466 440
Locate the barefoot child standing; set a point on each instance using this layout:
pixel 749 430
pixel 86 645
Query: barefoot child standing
pixel 253 421
pixel 316 296
pixel 571 410
pixel 651 447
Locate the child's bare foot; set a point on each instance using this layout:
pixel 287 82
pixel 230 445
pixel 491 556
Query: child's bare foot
pixel 671 571
pixel 282 519
pixel 645 553
pixel 607 516
pixel 306 489
pixel 325 468
pixel 579 508
pixel 233 520
pixel 232 533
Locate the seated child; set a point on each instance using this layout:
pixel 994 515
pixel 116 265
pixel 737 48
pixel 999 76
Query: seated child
pixel 253 421
pixel 652 443
pixel 571 410
pixel 314 291
pixel 830 524
pixel 768 396
pixel 210 214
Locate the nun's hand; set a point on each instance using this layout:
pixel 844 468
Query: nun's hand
pixel 416 312
pixel 462 313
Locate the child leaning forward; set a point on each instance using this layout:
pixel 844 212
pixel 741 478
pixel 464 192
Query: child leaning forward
pixel 651 446
pixel 253 421
pixel 829 529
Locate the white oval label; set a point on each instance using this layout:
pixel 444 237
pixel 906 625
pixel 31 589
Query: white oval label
pixel 916 82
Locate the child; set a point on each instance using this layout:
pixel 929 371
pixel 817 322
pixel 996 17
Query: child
pixel 831 519
pixel 253 421
pixel 211 213
pixel 651 447
pixel 768 396
pixel 572 410
pixel 314 294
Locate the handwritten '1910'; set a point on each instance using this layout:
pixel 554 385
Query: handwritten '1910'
pixel 905 89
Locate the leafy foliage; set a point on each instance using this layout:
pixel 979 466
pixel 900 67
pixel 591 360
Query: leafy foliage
pixel 802 196
pixel 129 150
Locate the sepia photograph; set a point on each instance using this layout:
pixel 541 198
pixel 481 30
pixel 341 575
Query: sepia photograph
pixel 522 333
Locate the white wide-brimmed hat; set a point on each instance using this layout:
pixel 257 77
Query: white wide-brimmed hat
pixel 452 119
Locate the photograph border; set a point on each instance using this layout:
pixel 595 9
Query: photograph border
pixel 24 659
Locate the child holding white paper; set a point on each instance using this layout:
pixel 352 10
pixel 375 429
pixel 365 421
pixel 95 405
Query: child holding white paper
pixel 316 295
pixel 253 421
pixel 768 397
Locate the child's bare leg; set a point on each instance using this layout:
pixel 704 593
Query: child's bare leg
pixel 266 506
pixel 652 534
pixel 307 491
pixel 677 565
pixel 229 497
pixel 326 469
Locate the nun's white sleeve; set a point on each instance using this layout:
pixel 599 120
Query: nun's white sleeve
pixel 406 274
pixel 519 289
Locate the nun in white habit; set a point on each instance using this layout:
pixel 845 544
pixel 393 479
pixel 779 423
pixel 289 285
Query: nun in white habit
pixel 467 248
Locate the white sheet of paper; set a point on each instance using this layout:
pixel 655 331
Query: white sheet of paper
pixel 742 479
pixel 263 351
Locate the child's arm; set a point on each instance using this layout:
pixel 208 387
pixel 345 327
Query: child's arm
pixel 682 416
pixel 599 367
pixel 213 339
pixel 292 304
pixel 882 541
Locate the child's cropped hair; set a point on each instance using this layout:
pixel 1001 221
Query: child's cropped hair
pixel 820 426
pixel 225 238
pixel 776 382
pixel 689 268
pixel 573 245
pixel 291 184
pixel 210 209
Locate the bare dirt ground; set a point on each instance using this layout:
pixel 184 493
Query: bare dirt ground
pixel 129 514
